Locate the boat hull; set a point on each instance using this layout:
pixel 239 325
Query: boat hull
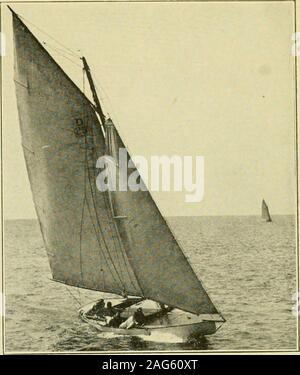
pixel 177 324
pixel 186 332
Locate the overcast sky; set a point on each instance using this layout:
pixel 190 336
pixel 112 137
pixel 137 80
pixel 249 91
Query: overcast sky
pixel 210 79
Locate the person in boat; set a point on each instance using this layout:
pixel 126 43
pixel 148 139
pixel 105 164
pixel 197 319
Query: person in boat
pixel 109 312
pixel 116 320
pixel 165 308
pixel 162 306
pixel 97 309
pixel 137 319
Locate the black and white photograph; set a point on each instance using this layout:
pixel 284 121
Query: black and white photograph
pixel 149 177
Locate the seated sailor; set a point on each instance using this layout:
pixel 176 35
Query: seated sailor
pixel 109 312
pixel 165 308
pixel 137 319
pixel 116 320
pixel 97 309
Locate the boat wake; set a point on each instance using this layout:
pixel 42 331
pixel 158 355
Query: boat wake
pixel 167 338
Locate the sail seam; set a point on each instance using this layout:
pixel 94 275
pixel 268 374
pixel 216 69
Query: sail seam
pixel 118 246
pixel 100 247
pixel 120 252
pixel 87 177
pixel 113 237
pixel 81 229
pixel 102 252
pixel 125 256
pixel 104 199
pixel 98 222
pixel 107 248
pixel 86 71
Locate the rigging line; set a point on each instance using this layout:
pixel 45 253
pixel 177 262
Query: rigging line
pixel 86 167
pixel 80 235
pixel 125 260
pixel 51 37
pixel 60 53
pixel 102 253
pixel 86 199
pixel 101 88
pixel 114 224
pixel 82 214
pixel 129 268
pixel 119 250
pixel 90 214
pixel 82 219
pixel 103 278
pixel 102 234
pixel 79 295
pixel 83 81
pixel 107 210
pixel 108 201
pixel 99 226
pixel 116 241
pixel 58 49
pixel 73 296
pixel 115 244
pixel 134 281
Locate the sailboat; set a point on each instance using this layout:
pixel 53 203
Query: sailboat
pixel 114 242
pixel 265 214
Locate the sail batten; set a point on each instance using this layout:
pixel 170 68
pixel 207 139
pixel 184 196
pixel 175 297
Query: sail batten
pixel 116 242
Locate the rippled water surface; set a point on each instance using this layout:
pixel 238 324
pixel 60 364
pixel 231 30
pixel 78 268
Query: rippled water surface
pixel 247 266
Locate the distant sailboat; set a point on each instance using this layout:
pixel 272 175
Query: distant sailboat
pixel 113 242
pixel 265 214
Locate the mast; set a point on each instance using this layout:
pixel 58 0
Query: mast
pixel 93 89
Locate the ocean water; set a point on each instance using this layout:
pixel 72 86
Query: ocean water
pixel 247 266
